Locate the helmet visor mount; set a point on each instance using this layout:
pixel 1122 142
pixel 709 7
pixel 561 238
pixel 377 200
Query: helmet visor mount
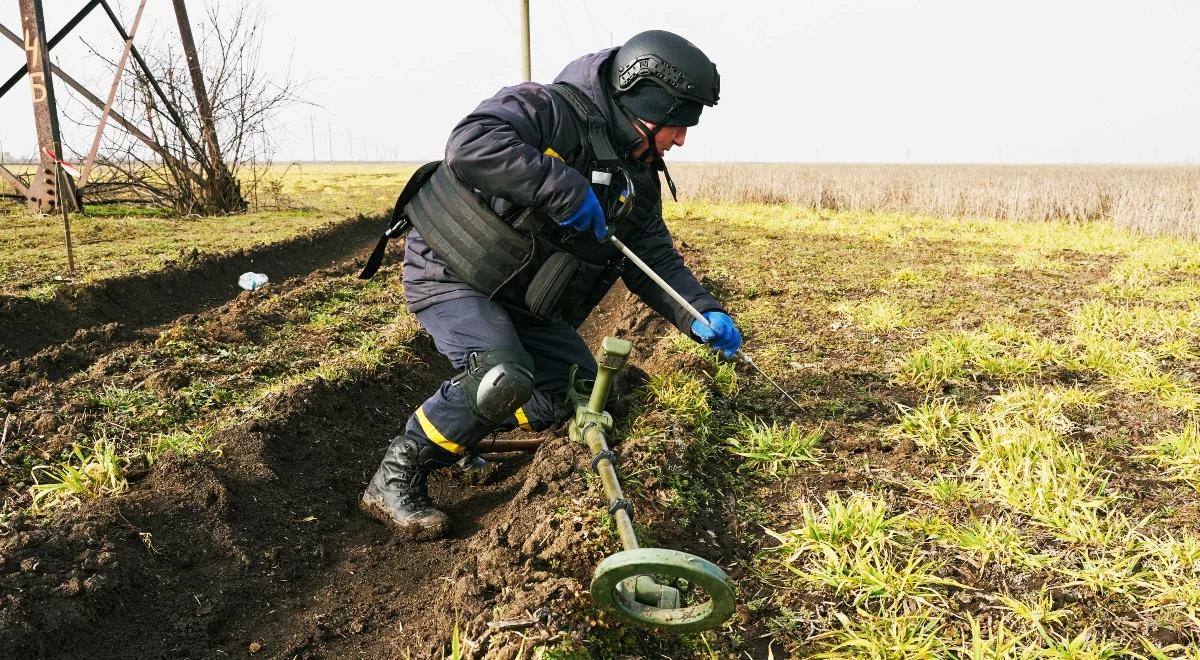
pixel 660 78
pixel 654 68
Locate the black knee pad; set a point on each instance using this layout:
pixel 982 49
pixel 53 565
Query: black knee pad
pixel 497 382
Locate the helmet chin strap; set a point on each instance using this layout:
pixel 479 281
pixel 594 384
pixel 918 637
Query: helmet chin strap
pixel 656 158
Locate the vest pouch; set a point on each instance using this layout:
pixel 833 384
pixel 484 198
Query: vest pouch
pixel 550 282
pixel 478 246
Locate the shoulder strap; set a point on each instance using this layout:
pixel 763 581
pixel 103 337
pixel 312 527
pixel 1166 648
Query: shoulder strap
pixel 399 224
pixel 593 120
pixel 619 197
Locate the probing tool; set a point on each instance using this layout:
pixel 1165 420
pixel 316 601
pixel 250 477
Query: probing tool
pixel 741 355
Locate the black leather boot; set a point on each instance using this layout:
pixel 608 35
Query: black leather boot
pixel 398 497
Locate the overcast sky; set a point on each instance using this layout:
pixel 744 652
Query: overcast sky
pixel 820 80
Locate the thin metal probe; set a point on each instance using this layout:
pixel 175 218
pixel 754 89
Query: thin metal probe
pixel 741 355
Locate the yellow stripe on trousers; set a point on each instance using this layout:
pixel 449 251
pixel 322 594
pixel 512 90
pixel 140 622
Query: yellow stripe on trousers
pixel 436 435
pixel 522 420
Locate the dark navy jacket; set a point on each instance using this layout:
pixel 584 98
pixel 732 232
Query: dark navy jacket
pixel 504 149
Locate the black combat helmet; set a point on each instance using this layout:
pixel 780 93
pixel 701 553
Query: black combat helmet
pixel 663 78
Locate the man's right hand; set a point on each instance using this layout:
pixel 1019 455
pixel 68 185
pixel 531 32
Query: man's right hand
pixel 720 332
pixel 589 216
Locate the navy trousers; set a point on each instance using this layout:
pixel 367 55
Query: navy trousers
pixel 468 325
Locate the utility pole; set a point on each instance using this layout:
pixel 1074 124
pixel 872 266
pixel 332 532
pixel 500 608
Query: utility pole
pixel 46 183
pixel 312 132
pixel 526 67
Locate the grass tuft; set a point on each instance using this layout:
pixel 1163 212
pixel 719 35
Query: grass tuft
pixel 683 397
pixel 876 314
pixel 857 521
pixel 945 489
pixel 774 449
pixel 1178 452
pixel 181 443
pixel 871 637
pixel 94 472
pixel 936 426
pixel 988 540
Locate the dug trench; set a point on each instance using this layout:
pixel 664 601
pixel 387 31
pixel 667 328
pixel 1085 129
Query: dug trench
pixel 261 549
pixel 189 283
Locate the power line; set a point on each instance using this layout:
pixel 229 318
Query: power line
pixel 567 27
pixel 511 28
pixel 591 24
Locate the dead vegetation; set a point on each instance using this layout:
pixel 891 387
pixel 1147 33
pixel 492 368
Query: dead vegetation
pixel 1161 200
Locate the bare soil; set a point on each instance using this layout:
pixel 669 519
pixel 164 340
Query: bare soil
pixel 261 550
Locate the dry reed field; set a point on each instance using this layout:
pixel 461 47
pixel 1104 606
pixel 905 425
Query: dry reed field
pixel 1159 200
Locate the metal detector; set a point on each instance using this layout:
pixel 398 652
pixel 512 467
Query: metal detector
pixel 628 583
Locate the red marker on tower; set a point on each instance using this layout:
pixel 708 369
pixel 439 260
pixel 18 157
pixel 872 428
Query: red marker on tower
pixel 67 167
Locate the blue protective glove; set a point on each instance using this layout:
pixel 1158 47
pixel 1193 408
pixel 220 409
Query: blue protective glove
pixel 589 216
pixel 720 333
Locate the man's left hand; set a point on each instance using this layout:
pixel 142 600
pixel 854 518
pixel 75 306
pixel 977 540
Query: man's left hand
pixel 720 333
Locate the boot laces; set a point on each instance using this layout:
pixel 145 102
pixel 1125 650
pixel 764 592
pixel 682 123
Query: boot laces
pixel 418 490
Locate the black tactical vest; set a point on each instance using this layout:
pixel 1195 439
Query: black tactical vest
pixel 524 258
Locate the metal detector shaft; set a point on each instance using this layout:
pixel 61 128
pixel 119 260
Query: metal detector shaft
pixel 691 309
pixel 662 284
pixel 613 357
pixel 594 438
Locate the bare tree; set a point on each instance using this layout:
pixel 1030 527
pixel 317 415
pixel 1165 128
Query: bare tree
pixel 178 170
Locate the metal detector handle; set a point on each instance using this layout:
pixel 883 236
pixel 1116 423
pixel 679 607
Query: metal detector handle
pixel 662 284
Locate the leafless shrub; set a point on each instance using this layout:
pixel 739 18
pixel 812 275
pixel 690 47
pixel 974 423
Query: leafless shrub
pixel 181 174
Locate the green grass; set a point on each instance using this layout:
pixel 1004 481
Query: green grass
pixel 870 637
pixel 182 443
pixel 89 472
pixel 988 541
pixel 876 315
pixel 998 351
pixel 112 241
pixel 1178 452
pixel 774 449
pixel 945 490
pixel 218 377
pixel 858 521
pixel 682 397
pixel 1043 474
pixel 123 211
pixel 936 426
pixel 1034 497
